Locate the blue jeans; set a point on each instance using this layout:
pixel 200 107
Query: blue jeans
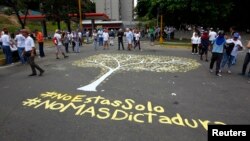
pixel 100 41
pixel 227 59
pixel 41 51
pixel 8 54
pixel 22 58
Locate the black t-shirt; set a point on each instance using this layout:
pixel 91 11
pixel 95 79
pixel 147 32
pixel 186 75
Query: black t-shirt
pixel 120 35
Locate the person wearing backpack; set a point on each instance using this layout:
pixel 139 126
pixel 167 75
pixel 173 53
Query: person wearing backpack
pixel 57 39
pixel 229 58
pixel 217 52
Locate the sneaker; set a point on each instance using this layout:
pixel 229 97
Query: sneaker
pixel 220 71
pixel 193 53
pixel 33 74
pixel 241 74
pixel 66 56
pixel 57 58
pixel 211 70
pixel 218 74
pixel 229 71
pixel 41 73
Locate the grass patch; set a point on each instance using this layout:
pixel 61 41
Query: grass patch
pixel 177 44
pixel 1 54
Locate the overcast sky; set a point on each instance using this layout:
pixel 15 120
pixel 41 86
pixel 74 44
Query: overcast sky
pixel 135 2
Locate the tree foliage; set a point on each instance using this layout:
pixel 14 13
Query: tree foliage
pixel 207 13
pixel 22 7
pixel 56 10
pixel 59 10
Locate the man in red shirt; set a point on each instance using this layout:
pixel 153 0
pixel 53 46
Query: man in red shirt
pixel 39 38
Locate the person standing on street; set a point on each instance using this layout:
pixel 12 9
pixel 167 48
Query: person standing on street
pixel 6 46
pixel 120 35
pixel 58 38
pixel 129 37
pixel 20 39
pixel 39 38
pixel 29 52
pixel 246 61
pixel 217 52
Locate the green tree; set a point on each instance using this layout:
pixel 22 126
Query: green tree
pixel 22 6
pixel 56 10
pixel 188 11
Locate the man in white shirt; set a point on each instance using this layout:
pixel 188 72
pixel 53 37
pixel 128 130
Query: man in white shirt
pixel 29 52
pixel 129 38
pixel 6 47
pixel 20 40
pixel 59 44
pixel 212 36
pixel 229 56
pixel 106 39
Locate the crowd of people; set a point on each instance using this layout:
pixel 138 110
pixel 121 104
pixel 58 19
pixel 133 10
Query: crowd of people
pixel 24 44
pixel 224 49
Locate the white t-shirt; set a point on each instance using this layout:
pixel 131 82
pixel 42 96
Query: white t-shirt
pixel 29 43
pixel 100 33
pixel 80 35
pixel 137 36
pixel 20 40
pixel 237 43
pixel 195 40
pixel 212 35
pixel 105 36
pixel 6 40
pixel 58 37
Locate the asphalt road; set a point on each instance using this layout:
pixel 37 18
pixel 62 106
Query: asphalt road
pixel 127 105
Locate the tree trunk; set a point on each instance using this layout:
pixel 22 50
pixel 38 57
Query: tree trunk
pixel 93 85
pixel 68 25
pixel 44 26
pixel 58 24
pixel 18 16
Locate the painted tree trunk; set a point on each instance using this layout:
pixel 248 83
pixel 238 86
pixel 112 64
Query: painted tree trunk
pixel 93 85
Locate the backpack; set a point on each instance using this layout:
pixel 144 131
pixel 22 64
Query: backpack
pixel 54 39
pixel 229 48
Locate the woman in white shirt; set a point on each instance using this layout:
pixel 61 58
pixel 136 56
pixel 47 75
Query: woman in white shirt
pixel 137 39
pixel 195 41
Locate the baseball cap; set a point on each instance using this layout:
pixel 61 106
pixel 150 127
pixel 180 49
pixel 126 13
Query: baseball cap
pixel 236 35
pixel 57 30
